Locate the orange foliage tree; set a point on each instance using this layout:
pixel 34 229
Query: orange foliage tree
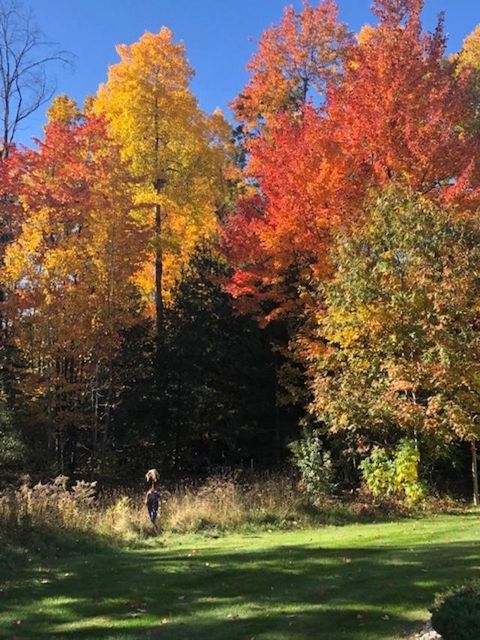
pixel 296 59
pixel 396 114
pixel 69 276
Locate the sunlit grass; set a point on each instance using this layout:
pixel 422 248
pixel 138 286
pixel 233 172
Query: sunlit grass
pixel 370 581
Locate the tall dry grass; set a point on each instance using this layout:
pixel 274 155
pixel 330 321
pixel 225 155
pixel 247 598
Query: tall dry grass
pixel 219 504
pixel 224 503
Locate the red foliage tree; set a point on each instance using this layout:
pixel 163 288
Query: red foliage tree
pixel 397 114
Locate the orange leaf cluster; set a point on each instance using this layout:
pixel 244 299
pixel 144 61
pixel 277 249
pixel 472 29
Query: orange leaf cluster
pixel 302 54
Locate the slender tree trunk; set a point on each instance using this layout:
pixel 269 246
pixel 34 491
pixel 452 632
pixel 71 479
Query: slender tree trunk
pixel 159 185
pixel 278 438
pixel 94 401
pixel 473 448
pixel 60 450
pixel 159 308
pixel 160 372
pixel 107 420
pixel 176 455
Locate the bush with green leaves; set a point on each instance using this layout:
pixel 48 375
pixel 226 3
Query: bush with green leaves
pixel 394 475
pixel 456 613
pixel 314 464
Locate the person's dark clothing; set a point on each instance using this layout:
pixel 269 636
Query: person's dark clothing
pixel 153 500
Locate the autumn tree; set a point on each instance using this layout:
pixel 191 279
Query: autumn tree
pixel 175 150
pixel 69 278
pixel 468 65
pixel 397 111
pixel 296 59
pixel 394 114
pixel 26 60
pixel 64 109
pixel 277 240
pixel 398 347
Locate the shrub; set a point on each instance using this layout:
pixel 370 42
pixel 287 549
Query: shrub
pixel 378 472
pixel 396 475
pixel 314 465
pixel 456 613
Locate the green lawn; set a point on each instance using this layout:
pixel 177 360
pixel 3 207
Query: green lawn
pixel 353 582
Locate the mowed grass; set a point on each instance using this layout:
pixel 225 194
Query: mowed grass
pixel 365 581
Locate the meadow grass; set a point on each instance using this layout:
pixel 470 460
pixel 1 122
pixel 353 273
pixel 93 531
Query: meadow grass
pixel 354 582
pixel 218 504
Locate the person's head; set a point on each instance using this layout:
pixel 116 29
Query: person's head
pixel 152 476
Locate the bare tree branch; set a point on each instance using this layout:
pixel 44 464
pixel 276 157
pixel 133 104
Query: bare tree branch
pixel 25 57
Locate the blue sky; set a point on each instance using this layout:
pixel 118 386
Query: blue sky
pixel 220 36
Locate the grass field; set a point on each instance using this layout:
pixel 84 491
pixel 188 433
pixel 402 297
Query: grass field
pixel 368 581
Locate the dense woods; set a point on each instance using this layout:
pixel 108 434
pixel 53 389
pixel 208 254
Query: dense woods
pixel 190 294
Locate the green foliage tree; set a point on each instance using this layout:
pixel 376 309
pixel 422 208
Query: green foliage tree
pixel 314 464
pixel 399 343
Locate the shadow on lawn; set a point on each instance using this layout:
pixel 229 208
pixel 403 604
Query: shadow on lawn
pixel 288 592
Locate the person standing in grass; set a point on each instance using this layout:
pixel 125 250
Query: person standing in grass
pixel 152 499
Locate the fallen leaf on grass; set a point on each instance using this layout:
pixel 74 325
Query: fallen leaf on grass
pixel 135 604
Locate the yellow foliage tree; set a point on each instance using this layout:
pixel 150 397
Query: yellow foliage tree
pixel 468 63
pixel 176 153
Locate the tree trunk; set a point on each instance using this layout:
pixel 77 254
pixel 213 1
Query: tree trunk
pixel 94 400
pixel 278 437
pixel 106 422
pixel 473 448
pixel 161 419
pixel 159 309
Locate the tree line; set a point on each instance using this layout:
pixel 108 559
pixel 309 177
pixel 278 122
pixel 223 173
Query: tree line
pixel 183 294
